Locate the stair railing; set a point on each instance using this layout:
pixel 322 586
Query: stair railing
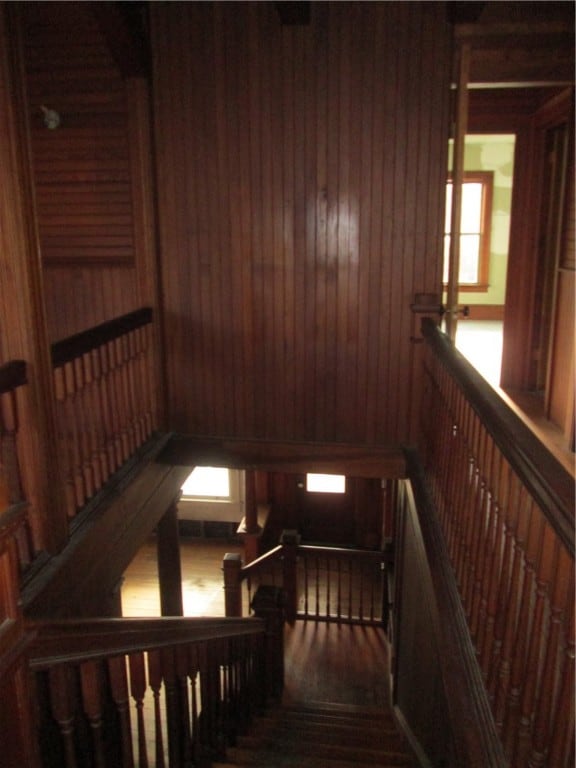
pixel 127 691
pixel 13 510
pixel 105 410
pixel 321 583
pixel 506 509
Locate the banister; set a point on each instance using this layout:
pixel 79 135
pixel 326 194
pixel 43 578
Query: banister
pixel 12 375
pixel 549 483
pixel 345 553
pixel 265 559
pixel 72 641
pixel 80 343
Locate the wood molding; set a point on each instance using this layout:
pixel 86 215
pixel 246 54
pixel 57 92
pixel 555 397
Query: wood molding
pixel 484 312
pixel 79 581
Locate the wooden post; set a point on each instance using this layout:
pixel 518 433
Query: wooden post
pixel 250 530
pixel 169 568
pixel 231 565
pixel 268 605
pixel 290 540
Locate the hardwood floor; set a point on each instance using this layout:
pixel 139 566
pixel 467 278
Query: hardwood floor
pixel 324 662
pixel 202 584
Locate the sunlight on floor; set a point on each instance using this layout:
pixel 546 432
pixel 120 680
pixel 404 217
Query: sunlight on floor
pixel 480 341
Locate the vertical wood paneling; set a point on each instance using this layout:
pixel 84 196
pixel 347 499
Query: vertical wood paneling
pixel 90 202
pixel 301 174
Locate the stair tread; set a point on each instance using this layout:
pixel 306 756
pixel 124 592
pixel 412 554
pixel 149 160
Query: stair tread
pixel 335 751
pixel 274 759
pixel 326 733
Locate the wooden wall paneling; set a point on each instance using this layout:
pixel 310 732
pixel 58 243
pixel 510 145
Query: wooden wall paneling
pixel 295 197
pixel 87 195
pixel 24 327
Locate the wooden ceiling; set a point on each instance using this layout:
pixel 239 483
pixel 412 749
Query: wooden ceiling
pixel 516 44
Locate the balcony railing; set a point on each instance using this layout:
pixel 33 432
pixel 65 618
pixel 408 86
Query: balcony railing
pixel 506 509
pixel 105 408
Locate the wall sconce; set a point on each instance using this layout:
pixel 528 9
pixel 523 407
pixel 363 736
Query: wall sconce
pixel 51 118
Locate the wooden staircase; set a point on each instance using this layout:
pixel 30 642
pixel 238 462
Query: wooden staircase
pixel 321 735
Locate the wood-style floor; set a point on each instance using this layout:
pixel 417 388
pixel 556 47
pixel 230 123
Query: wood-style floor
pixel 324 662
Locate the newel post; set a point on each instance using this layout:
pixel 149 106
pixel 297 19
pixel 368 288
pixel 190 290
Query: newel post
pixel 290 540
pixel 231 565
pixel 268 604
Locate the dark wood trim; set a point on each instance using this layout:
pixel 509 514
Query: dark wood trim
pixel 124 35
pixel 550 484
pixel 472 729
pixel 72 641
pixel 350 459
pixel 13 375
pixel 169 568
pixel 117 521
pixel 80 343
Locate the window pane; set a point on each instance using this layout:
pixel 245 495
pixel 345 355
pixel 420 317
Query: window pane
pixel 446 258
pixel 326 483
pixel 471 218
pixel 207 482
pixel 448 216
pixel 469 258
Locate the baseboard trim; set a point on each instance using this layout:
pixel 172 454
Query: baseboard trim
pixel 413 742
pixel 484 312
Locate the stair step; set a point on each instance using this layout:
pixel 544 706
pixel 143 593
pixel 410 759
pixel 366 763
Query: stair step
pixel 269 751
pixel 275 760
pixel 328 733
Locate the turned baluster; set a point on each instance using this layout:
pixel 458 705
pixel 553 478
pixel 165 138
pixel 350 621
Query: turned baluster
pixel 551 679
pixel 305 565
pixel 181 662
pixel 148 379
pixel 468 569
pixel 498 570
pixel 155 680
pixel 92 702
pixel 138 692
pixel 64 439
pixel 63 710
pixel 193 674
pixel 140 384
pixel 129 404
pixel 93 419
pixel 328 577
pixel 485 512
pixel 537 645
pixel 121 698
pixel 168 660
pixel 507 620
pixel 490 562
pixel 461 508
pixel 101 417
pixel 466 513
pixel 562 741
pixel 116 448
pixel 525 623
pixel 84 415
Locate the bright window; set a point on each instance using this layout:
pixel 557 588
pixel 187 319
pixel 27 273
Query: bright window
pixel 207 483
pixel 325 483
pixel 474 230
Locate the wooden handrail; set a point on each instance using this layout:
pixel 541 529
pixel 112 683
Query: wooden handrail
pixel 12 375
pixel 347 554
pixel 551 486
pixel 72 642
pixel 79 344
pixel 256 565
